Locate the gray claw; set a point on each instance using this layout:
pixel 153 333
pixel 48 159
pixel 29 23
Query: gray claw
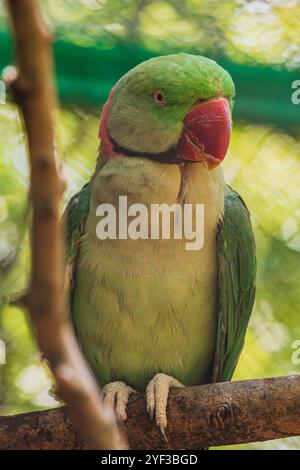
pixel 163 433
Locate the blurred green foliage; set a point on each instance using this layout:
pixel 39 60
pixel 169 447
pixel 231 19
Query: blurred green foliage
pixel 263 165
pixel 262 30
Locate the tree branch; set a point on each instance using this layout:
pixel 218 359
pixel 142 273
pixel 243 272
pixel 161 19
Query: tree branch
pixel 34 93
pixel 209 415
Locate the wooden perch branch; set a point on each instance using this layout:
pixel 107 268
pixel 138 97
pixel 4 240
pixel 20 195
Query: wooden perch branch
pixel 34 93
pixel 209 415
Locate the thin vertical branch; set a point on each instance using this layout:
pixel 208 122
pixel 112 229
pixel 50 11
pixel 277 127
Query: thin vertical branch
pixel 34 93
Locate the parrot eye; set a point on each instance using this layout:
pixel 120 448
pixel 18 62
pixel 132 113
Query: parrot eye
pixel 158 98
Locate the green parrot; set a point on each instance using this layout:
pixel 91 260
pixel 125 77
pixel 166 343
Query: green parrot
pixel 148 313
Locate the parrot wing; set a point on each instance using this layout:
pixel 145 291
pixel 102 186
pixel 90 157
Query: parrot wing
pixel 236 285
pixel 74 219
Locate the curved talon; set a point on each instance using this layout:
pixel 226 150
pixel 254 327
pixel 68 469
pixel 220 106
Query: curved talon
pixel 163 432
pixel 157 393
pixel 116 395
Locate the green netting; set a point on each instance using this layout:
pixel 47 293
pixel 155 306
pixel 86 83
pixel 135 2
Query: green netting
pixel 86 74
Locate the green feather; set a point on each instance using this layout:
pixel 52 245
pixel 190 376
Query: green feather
pixel 74 220
pixel 237 275
pixel 75 217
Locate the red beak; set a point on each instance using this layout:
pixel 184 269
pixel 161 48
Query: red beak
pixel 206 133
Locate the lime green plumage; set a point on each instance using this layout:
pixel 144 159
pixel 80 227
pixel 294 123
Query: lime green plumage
pixel 141 309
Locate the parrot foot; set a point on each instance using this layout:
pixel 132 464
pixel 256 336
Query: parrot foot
pixel 116 395
pixel 157 393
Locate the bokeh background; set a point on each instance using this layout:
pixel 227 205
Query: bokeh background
pixel 96 41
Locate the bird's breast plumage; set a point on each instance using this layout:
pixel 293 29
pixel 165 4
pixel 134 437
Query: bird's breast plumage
pixel 148 306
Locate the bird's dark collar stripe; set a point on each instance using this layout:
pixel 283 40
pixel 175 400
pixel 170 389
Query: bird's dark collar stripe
pixel 170 156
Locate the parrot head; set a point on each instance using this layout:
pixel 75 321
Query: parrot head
pixel 171 108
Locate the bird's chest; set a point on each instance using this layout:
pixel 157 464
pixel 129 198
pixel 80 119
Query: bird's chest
pixel 148 305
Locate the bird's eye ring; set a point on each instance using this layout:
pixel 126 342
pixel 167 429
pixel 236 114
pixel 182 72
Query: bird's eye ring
pixel 158 98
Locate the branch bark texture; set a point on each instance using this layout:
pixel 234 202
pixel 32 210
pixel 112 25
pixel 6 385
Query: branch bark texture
pixel 198 417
